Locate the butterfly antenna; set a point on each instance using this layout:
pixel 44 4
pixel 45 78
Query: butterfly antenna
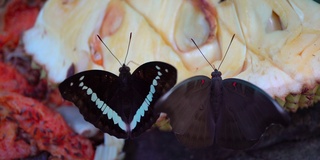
pixel 109 50
pixel 226 51
pixel 133 63
pixel 128 48
pixel 202 53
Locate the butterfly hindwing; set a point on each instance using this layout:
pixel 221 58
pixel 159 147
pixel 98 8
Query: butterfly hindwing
pixel 91 92
pixel 150 80
pixel 187 107
pixel 246 112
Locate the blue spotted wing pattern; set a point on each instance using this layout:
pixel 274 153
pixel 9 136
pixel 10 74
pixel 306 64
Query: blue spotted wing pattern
pixel 121 106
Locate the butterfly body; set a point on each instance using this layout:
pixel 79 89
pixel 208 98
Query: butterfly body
pixel 216 90
pixel 121 106
pixel 231 113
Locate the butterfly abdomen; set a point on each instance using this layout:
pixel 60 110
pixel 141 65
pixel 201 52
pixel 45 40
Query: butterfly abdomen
pixel 217 93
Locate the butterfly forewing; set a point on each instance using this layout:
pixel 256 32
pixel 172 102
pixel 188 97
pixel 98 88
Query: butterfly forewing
pixel 200 132
pixel 246 112
pixel 187 107
pixel 151 80
pixel 91 92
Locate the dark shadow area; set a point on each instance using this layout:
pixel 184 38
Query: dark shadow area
pixel 299 140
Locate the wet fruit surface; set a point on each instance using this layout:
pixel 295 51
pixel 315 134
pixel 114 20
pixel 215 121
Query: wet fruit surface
pixel 46 129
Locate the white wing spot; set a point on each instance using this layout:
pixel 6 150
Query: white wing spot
pixel 81 78
pixel 133 124
pixel 146 103
pixel 154 82
pixel 110 114
pixel 158 68
pixel 152 89
pixel 166 70
pixel 84 87
pixel 81 84
pixel 94 97
pixel 104 106
pixel 140 113
pixel 122 125
pixel 71 84
pixel 138 117
pixel 149 97
pixel 106 110
pixel 89 91
pixel 99 103
pixel 116 119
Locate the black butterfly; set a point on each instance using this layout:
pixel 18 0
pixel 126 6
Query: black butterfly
pixel 231 113
pixel 121 106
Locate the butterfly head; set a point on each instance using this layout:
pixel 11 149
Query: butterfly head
pixel 124 69
pixel 124 73
pixel 216 74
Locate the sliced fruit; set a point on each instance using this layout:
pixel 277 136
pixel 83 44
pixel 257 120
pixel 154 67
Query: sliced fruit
pixel 276 45
pixel 45 126
pixel 18 16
